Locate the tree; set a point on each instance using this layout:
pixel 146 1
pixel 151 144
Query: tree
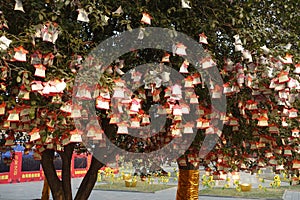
pixel 44 45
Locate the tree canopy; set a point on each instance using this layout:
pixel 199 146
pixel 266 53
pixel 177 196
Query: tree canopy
pixel 254 44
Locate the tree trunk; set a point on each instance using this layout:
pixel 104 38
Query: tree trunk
pixel 51 176
pixel 66 156
pixel 188 183
pixel 46 190
pixel 89 180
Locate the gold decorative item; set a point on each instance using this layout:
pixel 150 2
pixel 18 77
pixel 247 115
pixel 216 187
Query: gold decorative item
pixel 126 177
pixel 245 187
pixel 130 183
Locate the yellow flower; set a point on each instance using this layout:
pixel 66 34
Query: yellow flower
pixel 169 174
pixel 211 183
pixel 260 186
pixel 238 188
pixel 236 182
pixel 227 179
pixel 226 185
pixel 276 178
pixel 271 184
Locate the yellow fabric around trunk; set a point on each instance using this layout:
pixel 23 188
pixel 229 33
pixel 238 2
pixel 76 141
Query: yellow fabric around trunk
pixel 188 185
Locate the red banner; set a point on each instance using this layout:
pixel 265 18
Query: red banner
pixel 16 168
pixel 16 175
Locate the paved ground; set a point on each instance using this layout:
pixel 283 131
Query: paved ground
pixel 290 195
pixel 32 190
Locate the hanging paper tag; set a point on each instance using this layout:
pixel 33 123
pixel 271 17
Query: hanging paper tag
pixel 184 67
pixel 194 99
pixel 296 164
pixel 36 86
pixel 176 132
pixel 119 11
pixel 166 58
pixel 76 138
pixel 135 123
pixel 35 136
pixel 118 93
pixel 98 136
pixel 293 113
pixel 180 49
pixel 188 82
pixel 176 90
pixel 102 104
pixel 188 129
pixel 75 113
pixel 19 6
pixel 177 110
pixel 145 120
pixel 82 15
pixel 207 63
pixel 19 56
pixel 165 76
pixel 24 95
pixel 216 94
pixel 2 110
pixel 4 42
pixel 262 121
pixel 114 119
pixel 12 117
pixel 146 18
pixel 122 129
pixel 283 77
pixel 185 4
pixel 40 71
pixel 65 141
pixel 66 108
pixel 47 37
pixel 91 132
pixel 203 38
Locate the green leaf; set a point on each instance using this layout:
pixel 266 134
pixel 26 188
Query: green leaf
pixel 19 79
pixel 41 17
pixel 54 17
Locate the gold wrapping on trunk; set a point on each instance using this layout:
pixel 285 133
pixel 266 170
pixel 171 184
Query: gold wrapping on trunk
pixel 188 185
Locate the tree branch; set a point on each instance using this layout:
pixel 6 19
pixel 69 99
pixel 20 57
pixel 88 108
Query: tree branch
pixel 50 174
pixel 66 156
pixel 89 180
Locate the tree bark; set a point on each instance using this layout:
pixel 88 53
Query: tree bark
pixel 51 176
pixel 46 190
pixel 89 180
pixel 66 156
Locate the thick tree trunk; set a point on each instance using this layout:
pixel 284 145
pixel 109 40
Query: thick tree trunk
pixel 89 180
pixel 66 156
pixel 188 183
pixel 46 190
pixel 51 176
